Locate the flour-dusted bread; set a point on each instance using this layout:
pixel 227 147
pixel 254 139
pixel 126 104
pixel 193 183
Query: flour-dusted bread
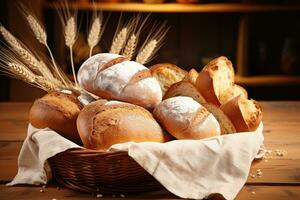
pixel 245 114
pixel 167 74
pixel 226 125
pixel 112 76
pixel 192 76
pixel 57 111
pixel 215 79
pixel 185 118
pixel 184 88
pixel 101 125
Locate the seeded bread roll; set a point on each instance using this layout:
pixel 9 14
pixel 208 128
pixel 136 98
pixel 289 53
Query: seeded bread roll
pixel 215 79
pixel 185 118
pixel 245 114
pixel 102 125
pixel 167 74
pixel 184 88
pixel 112 76
pixel 57 111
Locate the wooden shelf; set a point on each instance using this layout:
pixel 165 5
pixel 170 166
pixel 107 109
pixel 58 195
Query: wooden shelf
pixel 267 80
pixel 180 8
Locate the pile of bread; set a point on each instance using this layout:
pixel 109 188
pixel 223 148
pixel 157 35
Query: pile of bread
pixel 138 104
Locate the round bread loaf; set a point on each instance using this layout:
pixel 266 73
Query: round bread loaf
pixel 185 118
pixel 57 111
pixel 101 125
pixel 111 76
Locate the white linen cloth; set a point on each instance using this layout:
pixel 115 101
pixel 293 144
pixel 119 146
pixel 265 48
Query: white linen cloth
pixel 187 168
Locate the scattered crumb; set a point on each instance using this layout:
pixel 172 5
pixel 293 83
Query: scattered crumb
pixel 99 195
pixel 113 196
pixel 53 199
pixel 41 190
pixel 253 193
pixel 58 188
pixel 252 176
pixel 266 160
pixel 122 195
pixel 44 186
pixel 259 172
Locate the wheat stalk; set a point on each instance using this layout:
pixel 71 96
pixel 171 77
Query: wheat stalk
pixel 22 72
pixel 130 47
pixel 119 41
pixel 37 29
pixel 147 52
pixel 70 37
pixel 94 34
pixel 41 36
pixel 45 84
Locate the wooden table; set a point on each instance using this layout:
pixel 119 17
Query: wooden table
pixel 280 178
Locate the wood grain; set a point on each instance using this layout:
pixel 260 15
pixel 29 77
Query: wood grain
pixel 281 174
pixel 53 192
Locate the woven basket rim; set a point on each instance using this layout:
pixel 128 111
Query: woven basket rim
pixel 84 151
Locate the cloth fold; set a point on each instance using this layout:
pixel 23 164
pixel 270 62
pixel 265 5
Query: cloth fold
pixel 188 168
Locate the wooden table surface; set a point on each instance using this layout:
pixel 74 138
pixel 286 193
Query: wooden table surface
pixel 280 178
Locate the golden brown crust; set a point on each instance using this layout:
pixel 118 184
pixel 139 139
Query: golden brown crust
pixel 192 76
pixel 101 126
pixel 112 63
pixel 167 74
pixel 184 88
pixel 205 86
pixel 58 112
pixel 140 75
pixel 233 110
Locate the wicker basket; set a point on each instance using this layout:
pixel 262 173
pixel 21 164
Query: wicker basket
pixel 101 172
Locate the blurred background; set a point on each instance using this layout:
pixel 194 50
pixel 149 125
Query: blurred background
pixel 260 37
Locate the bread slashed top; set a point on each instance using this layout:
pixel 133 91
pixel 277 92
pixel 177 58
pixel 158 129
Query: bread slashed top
pixel 113 77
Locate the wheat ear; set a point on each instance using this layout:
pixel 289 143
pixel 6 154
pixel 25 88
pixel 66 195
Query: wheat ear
pixel 130 47
pixel 119 41
pixel 41 36
pixel 22 72
pixel 27 56
pixel 94 34
pixel 70 38
pixel 147 52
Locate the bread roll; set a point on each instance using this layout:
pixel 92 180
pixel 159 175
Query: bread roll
pixel 167 74
pixel 185 118
pixel 245 114
pixel 192 76
pixel 215 79
pixel 102 125
pixel 111 76
pixel 226 125
pixel 184 88
pixel 57 111
pixel 232 92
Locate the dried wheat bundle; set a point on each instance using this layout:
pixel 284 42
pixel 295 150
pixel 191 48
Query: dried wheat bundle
pixel 152 43
pixel 119 41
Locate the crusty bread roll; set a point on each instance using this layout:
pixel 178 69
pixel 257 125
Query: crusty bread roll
pixel 232 92
pixel 245 114
pixel 215 79
pixel 111 76
pixel 226 125
pixel 57 111
pixel 167 74
pixel 185 118
pixel 101 125
pixel 192 76
pixel 184 88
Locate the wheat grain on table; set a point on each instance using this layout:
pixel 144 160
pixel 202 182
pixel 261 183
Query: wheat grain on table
pixel 275 177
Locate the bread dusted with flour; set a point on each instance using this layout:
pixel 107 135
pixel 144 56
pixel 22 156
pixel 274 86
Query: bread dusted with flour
pixel 101 125
pixel 167 74
pixel 57 111
pixel 245 114
pixel 184 88
pixel 185 118
pixel 112 76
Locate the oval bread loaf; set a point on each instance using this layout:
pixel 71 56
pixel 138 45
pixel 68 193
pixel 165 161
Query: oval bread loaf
pixel 57 111
pixel 101 125
pixel 184 118
pixel 112 76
